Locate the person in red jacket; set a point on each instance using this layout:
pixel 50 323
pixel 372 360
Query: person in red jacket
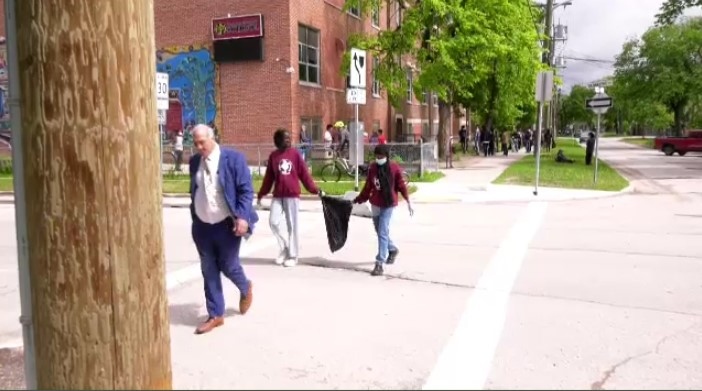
pixel 285 169
pixel 383 182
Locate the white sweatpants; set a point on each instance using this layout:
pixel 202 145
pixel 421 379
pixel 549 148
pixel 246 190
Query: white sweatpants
pixel 283 221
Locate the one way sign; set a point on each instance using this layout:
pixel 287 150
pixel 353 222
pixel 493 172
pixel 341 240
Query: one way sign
pixel 358 68
pixel 598 102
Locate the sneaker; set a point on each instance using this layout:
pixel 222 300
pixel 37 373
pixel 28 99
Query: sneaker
pixel 391 257
pixel 281 258
pixel 290 262
pixel 378 270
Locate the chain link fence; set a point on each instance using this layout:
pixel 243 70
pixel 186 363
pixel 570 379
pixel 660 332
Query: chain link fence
pixel 415 158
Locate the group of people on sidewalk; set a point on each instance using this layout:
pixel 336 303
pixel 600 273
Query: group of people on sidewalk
pixel 223 214
pixel 489 142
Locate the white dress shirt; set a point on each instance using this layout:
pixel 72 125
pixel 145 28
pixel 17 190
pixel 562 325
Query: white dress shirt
pixel 210 204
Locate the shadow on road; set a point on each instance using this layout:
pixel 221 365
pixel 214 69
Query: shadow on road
pixel 192 314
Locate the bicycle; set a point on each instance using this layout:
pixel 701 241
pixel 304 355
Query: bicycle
pixel 341 165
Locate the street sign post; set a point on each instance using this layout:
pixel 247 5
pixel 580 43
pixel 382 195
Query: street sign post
pixel 599 104
pixel 356 95
pixel 544 94
pixel 162 88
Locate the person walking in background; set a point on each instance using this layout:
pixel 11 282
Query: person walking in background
pixel 285 170
pixel 383 183
pixel 463 137
pixel 178 149
pixel 221 195
pixel 590 148
pixel 381 137
pixel 505 143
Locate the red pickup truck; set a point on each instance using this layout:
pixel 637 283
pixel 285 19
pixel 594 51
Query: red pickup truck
pixel 682 145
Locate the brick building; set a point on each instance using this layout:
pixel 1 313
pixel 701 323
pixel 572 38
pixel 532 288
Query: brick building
pixel 298 81
pixel 247 100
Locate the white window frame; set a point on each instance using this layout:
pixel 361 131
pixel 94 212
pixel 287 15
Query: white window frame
pixel 302 44
pixel 375 87
pixel 375 16
pixel 355 12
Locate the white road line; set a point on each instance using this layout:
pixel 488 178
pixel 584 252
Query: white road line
pixel 466 361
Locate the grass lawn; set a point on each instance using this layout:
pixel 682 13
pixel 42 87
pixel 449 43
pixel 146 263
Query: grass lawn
pixel 564 175
pixel 181 184
pixel 5 182
pixel 641 142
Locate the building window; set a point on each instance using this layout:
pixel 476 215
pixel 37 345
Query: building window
pixel 410 91
pixel 436 100
pixel 308 44
pixel 355 11
pixel 376 125
pixel 410 128
pixel 313 127
pixel 425 98
pixel 375 16
pixel 425 129
pixel 375 88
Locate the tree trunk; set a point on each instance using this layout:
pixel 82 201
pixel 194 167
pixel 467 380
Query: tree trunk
pixel 679 117
pixel 92 179
pixel 444 134
pixel 492 100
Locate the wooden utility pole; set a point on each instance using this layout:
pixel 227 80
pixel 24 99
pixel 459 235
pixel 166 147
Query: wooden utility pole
pixel 93 193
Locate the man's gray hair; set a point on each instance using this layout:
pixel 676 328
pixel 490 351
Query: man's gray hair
pixel 203 128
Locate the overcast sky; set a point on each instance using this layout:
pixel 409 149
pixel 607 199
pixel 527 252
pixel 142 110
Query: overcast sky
pixel 597 29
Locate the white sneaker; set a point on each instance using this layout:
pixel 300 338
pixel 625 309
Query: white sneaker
pixel 290 262
pixel 281 258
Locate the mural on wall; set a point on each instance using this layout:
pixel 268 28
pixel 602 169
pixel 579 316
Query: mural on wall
pixel 4 109
pixel 193 80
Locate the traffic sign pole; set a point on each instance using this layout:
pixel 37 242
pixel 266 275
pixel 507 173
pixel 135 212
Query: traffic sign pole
pixel 597 147
pixel 599 104
pixel 544 93
pixel 358 145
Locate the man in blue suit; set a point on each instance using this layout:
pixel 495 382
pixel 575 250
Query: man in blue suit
pixel 221 194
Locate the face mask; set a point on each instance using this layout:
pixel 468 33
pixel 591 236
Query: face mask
pixel 381 161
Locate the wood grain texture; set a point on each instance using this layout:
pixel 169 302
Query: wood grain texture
pixel 94 217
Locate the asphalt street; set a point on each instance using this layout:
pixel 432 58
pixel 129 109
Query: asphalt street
pixel 590 294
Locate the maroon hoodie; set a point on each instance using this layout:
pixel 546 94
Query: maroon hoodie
pixel 286 168
pixel 371 190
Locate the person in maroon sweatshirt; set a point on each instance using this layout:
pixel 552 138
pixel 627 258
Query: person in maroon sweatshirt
pixel 285 169
pixel 383 183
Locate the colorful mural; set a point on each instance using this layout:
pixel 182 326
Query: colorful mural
pixel 193 82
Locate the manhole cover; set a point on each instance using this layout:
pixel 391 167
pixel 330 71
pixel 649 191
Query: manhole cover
pixel 11 369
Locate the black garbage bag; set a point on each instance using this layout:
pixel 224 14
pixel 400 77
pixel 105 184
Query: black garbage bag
pixel 337 213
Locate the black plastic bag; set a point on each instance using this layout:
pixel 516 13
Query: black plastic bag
pixel 337 213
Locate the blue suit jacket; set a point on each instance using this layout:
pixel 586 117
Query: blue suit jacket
pixel 234 176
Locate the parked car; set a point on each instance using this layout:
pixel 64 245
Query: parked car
pixel 682 145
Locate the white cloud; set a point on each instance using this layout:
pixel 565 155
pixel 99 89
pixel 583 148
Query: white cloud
pixel 597 29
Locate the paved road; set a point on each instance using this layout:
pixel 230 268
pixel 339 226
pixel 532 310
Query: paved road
pixel 594 294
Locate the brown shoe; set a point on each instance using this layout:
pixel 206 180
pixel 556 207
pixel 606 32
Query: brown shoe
pixel 245 300
pixel 209 325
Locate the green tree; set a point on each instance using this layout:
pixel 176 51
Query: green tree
pixel 664 66
pixel 573 111
pixel 672 9
pixel 633 115
pixel 480 54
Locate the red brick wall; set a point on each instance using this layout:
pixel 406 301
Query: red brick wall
pixel 2 18
pixel 255 97
pixel 328 100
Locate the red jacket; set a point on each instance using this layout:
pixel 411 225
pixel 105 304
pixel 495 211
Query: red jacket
pixel 371 190
pixel 286 169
